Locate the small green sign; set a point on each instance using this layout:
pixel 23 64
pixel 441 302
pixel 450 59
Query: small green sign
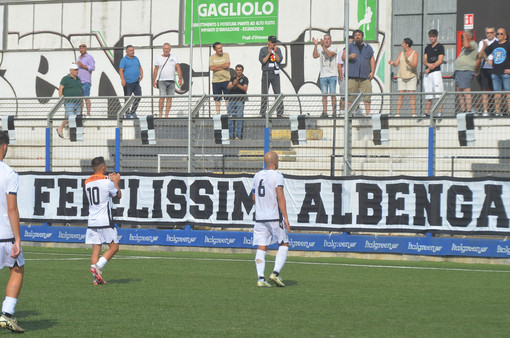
pixel 367 19
pixel 241 21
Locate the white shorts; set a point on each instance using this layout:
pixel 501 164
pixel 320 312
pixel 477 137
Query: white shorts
pixel 5 256
pixel 407 84
pixel 433 83
pixel 101 236
pixel 267 233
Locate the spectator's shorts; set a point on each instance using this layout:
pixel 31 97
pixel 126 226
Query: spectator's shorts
pixel 166 88
pixel 464 78
pixel 328 85
pixel 72 108
pixel 485 78
pixel 220 88
pixel 85 87
pixel 357 84
pixel 407 84
pixel 433 83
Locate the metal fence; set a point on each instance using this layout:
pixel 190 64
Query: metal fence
pixel 340 145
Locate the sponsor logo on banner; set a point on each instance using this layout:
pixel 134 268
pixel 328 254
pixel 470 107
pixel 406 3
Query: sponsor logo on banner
pixel 34 235
pixel 301 244
pixel 140 238
pixel 468 248
pixel 503 250
pixel 248 241
pixel 71 236
pixel 339 245
pixel 180 239
pixel 380 245
pixel 424 248
pixel 215 240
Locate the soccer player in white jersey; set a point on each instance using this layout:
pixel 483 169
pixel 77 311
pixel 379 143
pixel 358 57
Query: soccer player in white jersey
pixel 270 207
pixel 101 230
pixel 11 254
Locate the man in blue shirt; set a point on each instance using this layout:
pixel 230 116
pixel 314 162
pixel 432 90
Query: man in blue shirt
pixel 361 67
pixel 131 73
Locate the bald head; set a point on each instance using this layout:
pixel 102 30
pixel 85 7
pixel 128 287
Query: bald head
pixel 271 160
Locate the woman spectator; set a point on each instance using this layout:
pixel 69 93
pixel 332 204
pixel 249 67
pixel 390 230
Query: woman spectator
pixel 406 74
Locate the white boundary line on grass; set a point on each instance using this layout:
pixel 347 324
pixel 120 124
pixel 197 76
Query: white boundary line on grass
pixel 377 266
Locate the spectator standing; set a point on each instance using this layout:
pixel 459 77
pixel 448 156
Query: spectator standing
pixel 433 79
pixel 131 73
pixel 484 74
pixel 361 67
pixel 500 51
pixel 341 75
pixel 165 67
pixel 465 66
pixel 11 253
pixel 219 64
pixel 87 65
pixel 101 230
pixel 271 220
pixel 270 58
pixel 407 79
pixel 328 71
pixel 70 86
pixel 238 85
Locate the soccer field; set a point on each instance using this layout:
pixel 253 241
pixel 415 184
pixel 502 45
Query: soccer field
pixel 157 294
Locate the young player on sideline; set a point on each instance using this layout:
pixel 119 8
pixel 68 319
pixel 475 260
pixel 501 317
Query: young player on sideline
pixel 11 254
pixel 270 206
pixel 100 190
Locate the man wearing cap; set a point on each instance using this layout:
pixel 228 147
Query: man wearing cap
pixel 270 58
pixel 70 86
pixel 86 66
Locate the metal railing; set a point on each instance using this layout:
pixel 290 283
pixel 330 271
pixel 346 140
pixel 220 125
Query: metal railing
pixel 419 146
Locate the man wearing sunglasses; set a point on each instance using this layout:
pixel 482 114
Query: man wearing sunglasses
pixel 484 69
pixel 501 66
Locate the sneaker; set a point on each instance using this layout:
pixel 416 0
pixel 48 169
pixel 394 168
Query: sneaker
pixel 485 113
pixel 97 274
pixel 263 283
pixel 10 323
pixel 275 278
pixel 324 114
pixel 133 115
pixel 439 114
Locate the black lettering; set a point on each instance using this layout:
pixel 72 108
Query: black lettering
pixel 84 201
pixel 397 204
pixel 134 184
pixel 312 203
pixel 118 211
pixel 66 197
pixel 222 214
pixel 432 206
pixel 466 209
pixel 242 198
pixel 194 192
pixel 156 208
pixel 175 199
pixel 41 197
pixel 337 217
pixel 493 197
pixel 366 203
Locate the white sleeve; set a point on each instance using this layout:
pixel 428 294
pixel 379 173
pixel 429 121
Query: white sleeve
pixel 111 188
pixel 12 183
pixel 279 180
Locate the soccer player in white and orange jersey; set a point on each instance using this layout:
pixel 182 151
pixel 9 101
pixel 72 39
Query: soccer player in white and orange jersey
pixel 11 254
pixel 270 207
pixel 101 229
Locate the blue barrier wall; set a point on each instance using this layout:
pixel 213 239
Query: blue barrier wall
pixel 429 246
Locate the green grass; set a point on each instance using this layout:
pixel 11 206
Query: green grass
pixel 202 294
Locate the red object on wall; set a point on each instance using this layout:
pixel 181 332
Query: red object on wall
pixel 459 41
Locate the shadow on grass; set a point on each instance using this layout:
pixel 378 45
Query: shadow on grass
pixel 36 325
pixel 289 282
pixel 123 281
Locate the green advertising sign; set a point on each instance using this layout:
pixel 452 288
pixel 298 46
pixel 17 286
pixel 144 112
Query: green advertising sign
pixel 231 21
pixel 367 19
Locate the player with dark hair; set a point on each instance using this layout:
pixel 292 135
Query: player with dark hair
pixel 11 254
pixel 101 229
pixel 271 220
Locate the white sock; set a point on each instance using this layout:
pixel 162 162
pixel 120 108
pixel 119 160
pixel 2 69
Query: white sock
pixel 260 262
pixel 101 263
pixel 9 304
pixel 281 257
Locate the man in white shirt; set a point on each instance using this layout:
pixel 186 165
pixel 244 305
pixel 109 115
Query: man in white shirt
pixel 101 229
pixel 483 74
pixel 328 74
pixel 165 67
pixel 270 207
pixel 11 254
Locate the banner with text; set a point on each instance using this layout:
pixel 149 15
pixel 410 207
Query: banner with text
pixel 227 21
pixel 349 204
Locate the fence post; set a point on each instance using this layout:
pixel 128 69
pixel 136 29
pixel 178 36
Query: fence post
pixel 49 118
pixel 117 149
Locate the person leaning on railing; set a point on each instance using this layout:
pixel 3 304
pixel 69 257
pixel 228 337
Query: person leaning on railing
pixel 70 86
